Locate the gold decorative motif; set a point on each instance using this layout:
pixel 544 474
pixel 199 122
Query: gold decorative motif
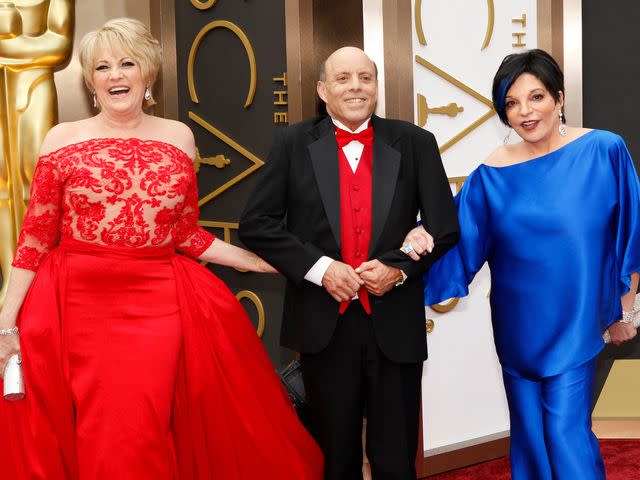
pixel 281 94
pixel 458 182
pixel 282 79
pixel 418 16
pixel 200 5
pixel 36 37
pixel 522 20
pixel 247 46
pixel 467 130
pixel 219 161
pixel 491 17
pixel 253 298
pixel 226 227
pixel 280 117
pixel 257 163
pixel 454 81
pixel 465 88
pixel 451 110
pixel 446 306
pixel 519 36
pixel 429 325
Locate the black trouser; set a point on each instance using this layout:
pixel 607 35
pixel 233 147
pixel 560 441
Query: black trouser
pixel 352 375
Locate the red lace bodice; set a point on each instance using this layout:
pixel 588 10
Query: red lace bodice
pixel 113 191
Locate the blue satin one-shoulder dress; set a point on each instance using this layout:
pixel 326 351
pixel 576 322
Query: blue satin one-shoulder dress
pixel 561 235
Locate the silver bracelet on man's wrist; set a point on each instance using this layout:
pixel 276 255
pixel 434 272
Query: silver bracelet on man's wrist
pixel 4 332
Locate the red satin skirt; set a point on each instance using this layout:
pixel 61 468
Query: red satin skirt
pixel 141 364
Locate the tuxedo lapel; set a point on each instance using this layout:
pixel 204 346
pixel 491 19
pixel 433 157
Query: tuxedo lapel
pixel 386 166
pixel 324 157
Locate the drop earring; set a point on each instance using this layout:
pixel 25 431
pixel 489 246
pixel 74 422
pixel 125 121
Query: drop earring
pixel 95 100
pixel 505 140
pixel 147 94
pixel 562 128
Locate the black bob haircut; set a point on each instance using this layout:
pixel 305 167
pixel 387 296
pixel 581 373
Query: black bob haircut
pixel 536 62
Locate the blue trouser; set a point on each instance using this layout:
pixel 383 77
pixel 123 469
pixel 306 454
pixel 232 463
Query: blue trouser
pixel 551 437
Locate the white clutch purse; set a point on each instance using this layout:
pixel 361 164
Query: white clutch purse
pixel 635 322
pixel 13 379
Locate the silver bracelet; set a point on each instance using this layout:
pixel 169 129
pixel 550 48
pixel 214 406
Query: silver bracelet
pixel 9 331
pixel 631 317
pixel 627 317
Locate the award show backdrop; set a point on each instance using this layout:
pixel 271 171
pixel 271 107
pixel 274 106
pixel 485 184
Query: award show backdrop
pixel 232 92
pixel 452 94
pixel 225 68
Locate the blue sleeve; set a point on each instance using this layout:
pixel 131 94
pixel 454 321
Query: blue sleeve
pixel 628 222
pixel 451 275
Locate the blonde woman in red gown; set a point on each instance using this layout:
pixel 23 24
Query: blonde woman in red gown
pixel 138 362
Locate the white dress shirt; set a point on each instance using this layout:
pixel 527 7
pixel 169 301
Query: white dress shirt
pixel 353 152
pixel 353 149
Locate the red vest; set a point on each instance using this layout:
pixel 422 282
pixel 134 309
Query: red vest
pixel 355 215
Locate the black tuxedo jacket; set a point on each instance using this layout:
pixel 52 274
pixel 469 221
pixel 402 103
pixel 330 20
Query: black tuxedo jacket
pixel 293 218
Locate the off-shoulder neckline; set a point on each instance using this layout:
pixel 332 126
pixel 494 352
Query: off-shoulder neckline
pixel 120 139
pixel 559 149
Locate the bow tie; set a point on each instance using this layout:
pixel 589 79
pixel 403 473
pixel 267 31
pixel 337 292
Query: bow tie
pixel 365 137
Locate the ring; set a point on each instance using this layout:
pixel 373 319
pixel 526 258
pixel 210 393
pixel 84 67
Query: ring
pixel 408 248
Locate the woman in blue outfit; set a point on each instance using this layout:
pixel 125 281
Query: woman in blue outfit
pixel 557 217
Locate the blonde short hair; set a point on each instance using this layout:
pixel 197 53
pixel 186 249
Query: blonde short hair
pixel 130 36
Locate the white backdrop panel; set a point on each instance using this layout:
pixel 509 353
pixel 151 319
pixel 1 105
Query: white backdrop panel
pixel 463 396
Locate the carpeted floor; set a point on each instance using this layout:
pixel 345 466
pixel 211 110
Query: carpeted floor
pixel 621 459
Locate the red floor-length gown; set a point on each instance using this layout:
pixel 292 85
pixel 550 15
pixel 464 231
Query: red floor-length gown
pixel 139 363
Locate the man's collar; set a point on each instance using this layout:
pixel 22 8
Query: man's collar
pixel 362 127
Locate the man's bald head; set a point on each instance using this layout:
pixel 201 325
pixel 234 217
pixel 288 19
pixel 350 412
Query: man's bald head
pixel 339 53
pixel 348 86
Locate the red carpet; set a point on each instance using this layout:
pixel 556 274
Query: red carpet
pixel 621 459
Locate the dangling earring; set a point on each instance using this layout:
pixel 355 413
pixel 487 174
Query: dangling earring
pixel 507 136
pixel 562 128
pixel 147 94
pixel 95 100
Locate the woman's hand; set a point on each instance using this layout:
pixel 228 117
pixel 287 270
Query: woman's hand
pixel 264 267
pixel 19 282
pixel 223 253
pixel 9 346
pixel 622 332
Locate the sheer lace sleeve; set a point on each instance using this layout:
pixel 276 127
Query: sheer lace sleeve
pixel 191 239
pixel 41 226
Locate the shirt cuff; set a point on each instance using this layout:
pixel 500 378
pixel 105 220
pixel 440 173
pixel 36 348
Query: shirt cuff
pixel 316 273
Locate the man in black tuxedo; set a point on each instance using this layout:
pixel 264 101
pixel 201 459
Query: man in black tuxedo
pixel 335 200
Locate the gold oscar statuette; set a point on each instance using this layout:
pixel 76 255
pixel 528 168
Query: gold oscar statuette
pixel 36 37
